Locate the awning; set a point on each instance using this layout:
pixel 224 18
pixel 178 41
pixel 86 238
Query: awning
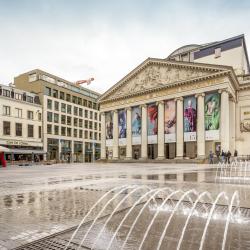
pixel 4 149
pixel 26 151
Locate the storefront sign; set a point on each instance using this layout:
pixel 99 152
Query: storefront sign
pixel 190 115
pixel 212 116
pixel 169 121
pixel 14 142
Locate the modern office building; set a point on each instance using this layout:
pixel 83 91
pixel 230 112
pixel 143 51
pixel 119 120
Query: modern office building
pixel 71 124
pixel 20 124
pixel 195 100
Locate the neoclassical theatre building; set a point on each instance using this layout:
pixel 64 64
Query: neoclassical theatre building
pixel 181 107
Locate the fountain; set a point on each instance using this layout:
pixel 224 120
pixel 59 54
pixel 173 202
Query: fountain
pixel 143 217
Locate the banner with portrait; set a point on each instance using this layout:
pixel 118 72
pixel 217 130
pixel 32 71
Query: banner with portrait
pixel 122 127
pixel 212 116
pixel 136 125
pixel 170 121
pixel 109 128
pixel 190 118
pixel 152 117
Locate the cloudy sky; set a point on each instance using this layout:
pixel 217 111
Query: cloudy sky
pixel 105 39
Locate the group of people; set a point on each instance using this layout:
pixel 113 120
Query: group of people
pixel 222 156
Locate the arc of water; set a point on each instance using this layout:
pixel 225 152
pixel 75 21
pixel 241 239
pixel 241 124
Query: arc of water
pixel 190 214
pixel 141 211
pixel 128 213
pixel 113 212
pixel 90 211
pixel 155 215
pixel 104 207
pixel 172 214
pixel 210 216
pixel 235 195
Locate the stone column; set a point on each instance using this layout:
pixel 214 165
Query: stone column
pixel 179 128
pixel 160 134
pixel 200 126
pixel 232 123
pixel 144 133
pixel 224 121
pixel 103 137
pixel 129 135
pixel 115 135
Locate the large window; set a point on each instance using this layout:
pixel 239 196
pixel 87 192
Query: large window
pixel 80 133
pixel 49 116
pixel 18 96
pixel 18 129
pixel 96 116
pixel 40 131
pixel 80 123
pixel 69 109
pixel 6 93
pixel 49 104
pixel 75 122
pixel 56 130
pixel 75 111
pixel 30 115
pixel 56 104
pixel 75 132
pixel 80 112
pixel 86 113
pixel 68 120
pixel 69 132
pixel 30 130
pixel 18 112
pixel 62 95
pixel 30 99
pixel 68 97
pixel 55 93
pixel 6 110
pixel 85 124
pixel 63 107
pixel 63 119
pixel 63 131
pixel 91 115
pixel 79 100
pixel 56 118
pixel 6 128
pixel 74 99
pixel 47 91
pixel 49 129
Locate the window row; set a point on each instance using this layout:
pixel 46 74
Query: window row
pixel 66 131
pixel 18 96
pixel 70 98
pixel 72 121
pixel 19 129
pixel 19 113
pixel 68 108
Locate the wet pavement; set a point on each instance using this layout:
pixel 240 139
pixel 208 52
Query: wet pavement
pixel 37 201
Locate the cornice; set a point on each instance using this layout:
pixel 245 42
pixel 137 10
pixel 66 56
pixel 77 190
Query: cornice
pixel 180 83
pixel 156 61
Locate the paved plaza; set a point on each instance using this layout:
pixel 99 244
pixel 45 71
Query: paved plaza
pixel 37 201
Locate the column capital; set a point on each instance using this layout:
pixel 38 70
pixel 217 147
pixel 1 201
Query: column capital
pixel 128 108
pixel 143 105
pixel 199 94
pixel 180 98
pixel 115 111
pixel 220 91
pixel 160 102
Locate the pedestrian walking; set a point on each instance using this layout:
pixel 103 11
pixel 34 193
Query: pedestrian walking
pixel 235 155
pixel 228 156
pixel 211 157
pixel 222 156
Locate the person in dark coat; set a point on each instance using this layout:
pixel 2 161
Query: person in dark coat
pixel 228 156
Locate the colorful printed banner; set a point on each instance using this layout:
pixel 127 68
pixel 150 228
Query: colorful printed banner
pixel 170 121
pixel 152 113
pixel 136 125
pixel 122 127
pixel 212 116
pixel 109 128
pixel 190 118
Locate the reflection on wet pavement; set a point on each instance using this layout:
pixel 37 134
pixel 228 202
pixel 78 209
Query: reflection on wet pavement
pixel 37 202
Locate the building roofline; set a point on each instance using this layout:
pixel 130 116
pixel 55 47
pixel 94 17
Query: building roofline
pixel 61 79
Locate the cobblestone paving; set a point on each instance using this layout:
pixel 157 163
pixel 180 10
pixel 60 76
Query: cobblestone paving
pixel 36 201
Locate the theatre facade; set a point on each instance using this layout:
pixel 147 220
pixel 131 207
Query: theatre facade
pixel 166 109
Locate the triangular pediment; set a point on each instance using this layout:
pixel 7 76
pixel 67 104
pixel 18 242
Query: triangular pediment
pixel 155 74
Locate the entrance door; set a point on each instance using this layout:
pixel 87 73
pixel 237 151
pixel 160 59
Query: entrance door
pixel 152 154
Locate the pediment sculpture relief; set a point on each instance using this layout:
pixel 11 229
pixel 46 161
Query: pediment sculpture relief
pixel 155 76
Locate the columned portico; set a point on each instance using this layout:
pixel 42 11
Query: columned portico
pixel 129 135
pixel 224 129
pixel 160 135
pixel 179 128
pixel 200 126
pixel 144 133
pixel 115 136
pixel 103 137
